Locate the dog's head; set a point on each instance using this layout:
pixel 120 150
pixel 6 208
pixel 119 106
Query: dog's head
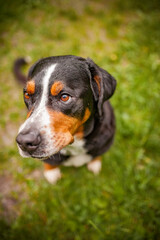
pixel 63 95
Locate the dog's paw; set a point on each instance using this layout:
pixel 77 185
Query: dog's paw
pixel 53 175
pixel 95 166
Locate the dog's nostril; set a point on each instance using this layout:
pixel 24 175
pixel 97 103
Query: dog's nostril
pixel 29 144
pixel 29 141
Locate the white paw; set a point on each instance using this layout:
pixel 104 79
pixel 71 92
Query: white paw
pixel 52 175
pixel 95 166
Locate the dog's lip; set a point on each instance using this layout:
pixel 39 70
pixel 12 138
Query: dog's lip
pixel 39 157
pixel 44 158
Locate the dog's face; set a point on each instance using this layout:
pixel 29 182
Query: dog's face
pixel 60 95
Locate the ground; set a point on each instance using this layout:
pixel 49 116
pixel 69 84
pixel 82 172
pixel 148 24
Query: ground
pixel 123 201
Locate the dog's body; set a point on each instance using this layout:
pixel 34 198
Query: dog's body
pixel 70 121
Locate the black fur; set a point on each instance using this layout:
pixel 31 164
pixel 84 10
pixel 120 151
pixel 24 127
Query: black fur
pixel 78 75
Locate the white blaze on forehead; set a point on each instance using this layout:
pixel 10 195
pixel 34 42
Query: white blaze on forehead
pixel 46 84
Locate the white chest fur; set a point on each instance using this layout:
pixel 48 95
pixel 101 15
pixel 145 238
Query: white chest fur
pixel 77 152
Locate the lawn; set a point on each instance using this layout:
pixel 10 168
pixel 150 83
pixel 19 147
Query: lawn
pixel 123 202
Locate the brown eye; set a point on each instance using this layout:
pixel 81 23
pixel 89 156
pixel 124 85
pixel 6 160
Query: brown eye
pixel 65 98
pixel 26 95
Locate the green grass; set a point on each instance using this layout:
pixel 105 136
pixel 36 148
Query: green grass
pixel 123 201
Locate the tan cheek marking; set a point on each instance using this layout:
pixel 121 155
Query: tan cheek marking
pixel 64 123
pixel 69 126
pixel 64 127
pixel 31 87
pixel 56 88
pixel 98 81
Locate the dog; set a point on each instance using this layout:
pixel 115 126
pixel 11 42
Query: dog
pixel 70 121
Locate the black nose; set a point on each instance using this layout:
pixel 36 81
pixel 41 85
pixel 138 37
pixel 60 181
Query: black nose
pixel 29 141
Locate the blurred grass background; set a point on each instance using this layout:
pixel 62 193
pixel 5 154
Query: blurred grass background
pixel 123 202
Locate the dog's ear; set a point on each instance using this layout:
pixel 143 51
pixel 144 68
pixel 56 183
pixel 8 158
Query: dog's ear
pixel 102 84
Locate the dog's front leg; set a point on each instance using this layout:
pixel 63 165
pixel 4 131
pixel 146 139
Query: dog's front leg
pixel 52 173
pixel 95 165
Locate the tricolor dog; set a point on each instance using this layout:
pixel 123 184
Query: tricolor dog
pixel 70 120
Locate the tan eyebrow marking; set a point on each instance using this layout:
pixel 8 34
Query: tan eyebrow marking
pixel 56 88
pixel 31 87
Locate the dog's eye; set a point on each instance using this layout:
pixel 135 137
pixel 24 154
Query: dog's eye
pixel 65 97
pixel 26 95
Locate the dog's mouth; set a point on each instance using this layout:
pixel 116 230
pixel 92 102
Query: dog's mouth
pixel 45 158
pixel 55 159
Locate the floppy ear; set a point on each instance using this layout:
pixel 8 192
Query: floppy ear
pixel 102 84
